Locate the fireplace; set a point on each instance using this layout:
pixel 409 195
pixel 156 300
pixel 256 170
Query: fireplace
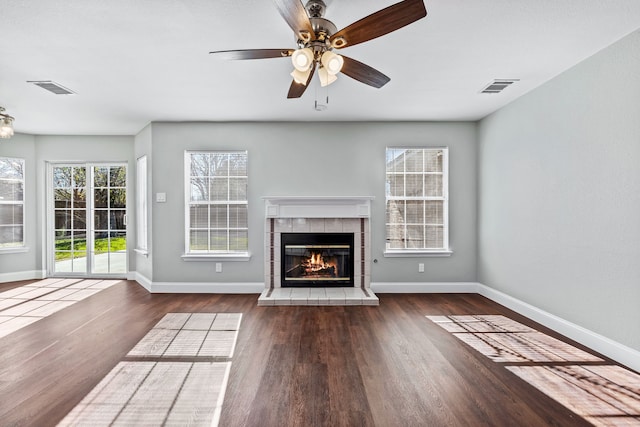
pixel 318 243
pixel 317 260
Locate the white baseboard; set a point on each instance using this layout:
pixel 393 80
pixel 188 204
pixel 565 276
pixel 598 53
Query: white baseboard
pixel 207 288
pixel 603 345
pixel 198 288
pixel 142 280
pixel 258 287
pixel 424 288
pixel 22 275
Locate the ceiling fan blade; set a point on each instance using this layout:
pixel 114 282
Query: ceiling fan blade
pixel 253 53
pixel 381 22
pixel 296 89
pixel 296 16
pixel 363 73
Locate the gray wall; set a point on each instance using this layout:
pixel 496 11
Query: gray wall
pixel 312 159
pixel 333 159
pixel 559 197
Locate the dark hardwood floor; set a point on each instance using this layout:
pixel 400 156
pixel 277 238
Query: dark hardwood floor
pixel 293 366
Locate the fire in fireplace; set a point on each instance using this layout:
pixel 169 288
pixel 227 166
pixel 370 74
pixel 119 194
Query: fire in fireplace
pixel 316 259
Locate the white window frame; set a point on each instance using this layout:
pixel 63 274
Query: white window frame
pixel 209 255
pixel 17 248
pixel 423 252
pixel 142 245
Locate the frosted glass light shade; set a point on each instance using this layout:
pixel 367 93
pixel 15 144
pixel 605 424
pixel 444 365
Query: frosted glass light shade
pixel 325 78
pixel 302 59
pixel 300 77
pixel 332 62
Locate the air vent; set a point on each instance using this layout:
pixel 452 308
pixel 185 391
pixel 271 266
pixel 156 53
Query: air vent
pixel 53 87
pixel 498 86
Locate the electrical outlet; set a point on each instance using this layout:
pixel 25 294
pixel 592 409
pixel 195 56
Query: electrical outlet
pixel 218 267
pixel 421 267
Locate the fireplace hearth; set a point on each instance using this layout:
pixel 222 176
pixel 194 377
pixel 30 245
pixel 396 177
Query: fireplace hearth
pixel 317 260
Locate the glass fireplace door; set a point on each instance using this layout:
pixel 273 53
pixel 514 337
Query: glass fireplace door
pixel 316 259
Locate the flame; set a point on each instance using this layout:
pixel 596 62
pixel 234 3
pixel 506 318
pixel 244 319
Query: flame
pixel 316 259
pixel 315 263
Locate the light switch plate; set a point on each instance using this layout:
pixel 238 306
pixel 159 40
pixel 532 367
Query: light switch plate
pixel 161 197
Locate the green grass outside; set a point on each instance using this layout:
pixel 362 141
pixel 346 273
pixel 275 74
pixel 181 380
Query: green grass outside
pixel 80 247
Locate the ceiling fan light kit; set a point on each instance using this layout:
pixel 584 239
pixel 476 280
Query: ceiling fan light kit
pixel 316 37
pixel 6 124
pixel 332 62
pixel 302 59
pixel 301 77
pixel 326 78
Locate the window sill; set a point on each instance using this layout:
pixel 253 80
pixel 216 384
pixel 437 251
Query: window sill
pixel 417 253
pixel 240 256
pixel 16 250
pixel 143 252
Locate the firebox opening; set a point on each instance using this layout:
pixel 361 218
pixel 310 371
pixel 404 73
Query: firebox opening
pixel 317 259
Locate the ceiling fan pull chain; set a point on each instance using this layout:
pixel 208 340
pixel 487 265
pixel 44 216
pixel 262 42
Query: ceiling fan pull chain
pixel 319 106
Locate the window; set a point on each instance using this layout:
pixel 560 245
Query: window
pixel 216 217
pixel 11 203
pixel 417 201
pixel 141 204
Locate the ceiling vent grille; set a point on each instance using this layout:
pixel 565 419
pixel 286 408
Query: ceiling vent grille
pixel 498 86
pixel 52 87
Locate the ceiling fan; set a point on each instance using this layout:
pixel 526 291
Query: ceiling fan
pixel 317 37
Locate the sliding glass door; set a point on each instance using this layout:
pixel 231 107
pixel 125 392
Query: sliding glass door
pixel 109 227
pixel 88 227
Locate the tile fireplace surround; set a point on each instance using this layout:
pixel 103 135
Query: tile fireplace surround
pixel 318 215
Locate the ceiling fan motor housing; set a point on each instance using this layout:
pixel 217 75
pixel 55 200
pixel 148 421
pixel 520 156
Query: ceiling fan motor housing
pixel 323 29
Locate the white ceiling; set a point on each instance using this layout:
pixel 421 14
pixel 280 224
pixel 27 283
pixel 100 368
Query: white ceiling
pixel 133 62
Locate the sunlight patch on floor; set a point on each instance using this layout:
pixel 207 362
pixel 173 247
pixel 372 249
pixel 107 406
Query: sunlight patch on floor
pixel 27 304
pixel 602 393
pixel 191 335
pixel 160 391
pixel 154 394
